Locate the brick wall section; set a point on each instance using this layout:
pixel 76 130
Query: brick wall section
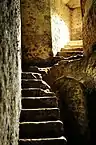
pixel 36 29
pixel 89 25
pixel 9 71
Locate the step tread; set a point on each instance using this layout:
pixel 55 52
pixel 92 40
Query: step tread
pixel 31 73
pixel 32 89
pixel 33 80
pixel 43 141
pixel 39 98
pixel 40 139
pixel 37 89
pixel 40 109
pixel 42 122
pixel 71 51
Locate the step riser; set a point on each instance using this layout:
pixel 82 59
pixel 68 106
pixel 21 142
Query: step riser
pixel 42 142
pixel 31 76
pixel 41 115
pixel 33 84
pixel 40 103
pixel 41 130
pixel 31 93
pixel 34 70
pixel 35 93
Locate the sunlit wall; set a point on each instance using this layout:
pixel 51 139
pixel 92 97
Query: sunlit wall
pixel 60 25
pixel 60 34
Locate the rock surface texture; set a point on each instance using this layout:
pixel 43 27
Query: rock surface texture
pixel 36 29
pixel 73 110
pixel 40 116
pixel 10 71
pixel 89 25
pixel 76 24
pixel 84 71
pixel 81 69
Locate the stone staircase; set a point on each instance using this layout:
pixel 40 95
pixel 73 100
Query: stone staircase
pixel 73 49
pixel 40 116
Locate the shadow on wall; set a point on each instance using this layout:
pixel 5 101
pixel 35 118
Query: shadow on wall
pixel 60 34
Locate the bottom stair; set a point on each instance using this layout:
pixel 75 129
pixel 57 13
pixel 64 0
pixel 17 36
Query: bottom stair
pixel 41 129
pixel 43 141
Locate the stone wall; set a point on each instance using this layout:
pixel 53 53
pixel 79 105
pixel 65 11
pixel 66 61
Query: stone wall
pixel 73 111
pixel 10 71
pixel 60 22
pixel 36 29
pixel 84 71
pixel 89 25
pixel 76 24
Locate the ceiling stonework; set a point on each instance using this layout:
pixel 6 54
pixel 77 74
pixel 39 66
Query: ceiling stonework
pixel 72 3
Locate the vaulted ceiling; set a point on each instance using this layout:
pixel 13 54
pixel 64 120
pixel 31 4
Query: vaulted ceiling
pixel 72 3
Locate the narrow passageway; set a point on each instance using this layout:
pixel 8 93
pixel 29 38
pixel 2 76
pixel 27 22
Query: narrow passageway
pixel 52 37
pixel 49 45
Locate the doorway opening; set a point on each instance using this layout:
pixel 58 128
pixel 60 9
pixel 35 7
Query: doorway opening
pixel 66 27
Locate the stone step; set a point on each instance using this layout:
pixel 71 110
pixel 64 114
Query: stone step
pixel 36 92
pixel 33 69
pixel 39 102
pixel 34 83
pixel 47 129
pixel 44 141
pixel 75 49
pixel 31 75
pixel 29 68
pixel 42 114
pixel 70 53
